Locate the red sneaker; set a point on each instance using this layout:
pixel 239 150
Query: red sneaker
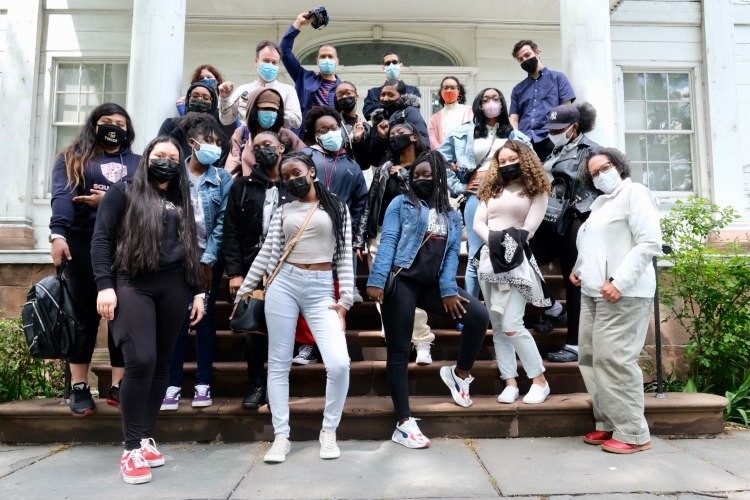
pixel 152 456
pixel 615 446
pixel 597 437
pixel 134 468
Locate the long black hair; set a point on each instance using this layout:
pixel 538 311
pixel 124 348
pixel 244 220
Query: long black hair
pixel 85 146
pixel 142 225
pixel 480 121
pixel 332 204
pixel 439 178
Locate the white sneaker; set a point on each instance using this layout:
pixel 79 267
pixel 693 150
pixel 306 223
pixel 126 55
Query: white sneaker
pixel 537 394
pixel 328 447
pixel 279 450
pixel 459 387
pixel 423 354
pixel 171 400
pixel 509 395
pixel 202 397
pixel 409 435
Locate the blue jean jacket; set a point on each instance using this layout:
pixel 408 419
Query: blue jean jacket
pixel 214 190
pixel 459 147
pixel 404 227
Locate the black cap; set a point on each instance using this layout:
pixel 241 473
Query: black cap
pixel 563 116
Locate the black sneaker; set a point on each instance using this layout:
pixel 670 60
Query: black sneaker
pixel 81 402
pixel 113 396
pixel 307 355
pixel 549 323
pixel 255 398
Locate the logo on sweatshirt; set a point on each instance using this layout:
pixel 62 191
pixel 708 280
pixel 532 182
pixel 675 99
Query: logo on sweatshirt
pixel 114 172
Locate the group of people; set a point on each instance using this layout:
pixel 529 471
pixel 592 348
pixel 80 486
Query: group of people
pixel 265 180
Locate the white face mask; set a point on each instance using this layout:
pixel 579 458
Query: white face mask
pixel 606 182
pixel 560 139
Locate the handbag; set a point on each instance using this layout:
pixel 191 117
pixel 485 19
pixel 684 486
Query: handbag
pixel 558 213
pixel 390 280
pixel 250 315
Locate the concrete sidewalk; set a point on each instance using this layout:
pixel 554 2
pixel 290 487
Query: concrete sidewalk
pixel 555 468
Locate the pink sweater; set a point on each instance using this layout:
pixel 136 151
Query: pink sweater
pixel 510 210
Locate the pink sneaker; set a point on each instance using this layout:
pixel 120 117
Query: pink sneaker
pixel 152 456
pixel 134 468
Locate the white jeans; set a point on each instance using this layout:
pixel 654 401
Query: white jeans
pixel 292 292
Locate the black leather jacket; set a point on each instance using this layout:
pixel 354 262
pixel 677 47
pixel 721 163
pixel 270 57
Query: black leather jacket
pixel 368 224
pixel 566 168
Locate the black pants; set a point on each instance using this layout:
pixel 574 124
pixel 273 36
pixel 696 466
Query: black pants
pixel 543 148
pixel 547 245
pixel 256 354
pixel 82 288
pixel 398 321
pixel 149 315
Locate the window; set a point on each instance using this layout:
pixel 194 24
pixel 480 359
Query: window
pixel 659 133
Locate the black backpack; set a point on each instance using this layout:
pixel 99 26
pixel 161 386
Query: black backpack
pixel 49 318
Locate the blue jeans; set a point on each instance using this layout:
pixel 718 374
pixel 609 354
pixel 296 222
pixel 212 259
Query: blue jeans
pixel 205 339
pixel 475 243
pixel 310 293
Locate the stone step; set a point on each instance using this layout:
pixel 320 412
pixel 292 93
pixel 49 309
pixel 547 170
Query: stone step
pixel 368 418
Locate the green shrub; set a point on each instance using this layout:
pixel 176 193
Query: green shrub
pixel 21 375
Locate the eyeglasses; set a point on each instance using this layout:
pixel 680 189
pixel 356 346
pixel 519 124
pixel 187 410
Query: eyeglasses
pixel 485 100
pixel 201 97
pixel 325 130
pixel 603 169
pixel 388 63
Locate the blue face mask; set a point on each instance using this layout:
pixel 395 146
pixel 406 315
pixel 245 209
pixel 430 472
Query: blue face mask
pixel 392 71
pixel 266 118
pixel 327 66
pixel 268 72
pixel 208 154
pixel 331 141
pixel 211 82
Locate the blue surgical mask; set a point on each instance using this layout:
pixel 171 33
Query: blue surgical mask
pixel 267 71
pixel 327 66
pixel 331 141
pixel 266 118
pixel 208 154
pixel 392 71
pixel 211 82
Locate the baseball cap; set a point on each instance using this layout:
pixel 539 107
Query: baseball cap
pixel 562 116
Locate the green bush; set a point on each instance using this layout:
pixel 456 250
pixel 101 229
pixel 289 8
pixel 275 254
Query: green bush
pixel 21 375
pixel 708 291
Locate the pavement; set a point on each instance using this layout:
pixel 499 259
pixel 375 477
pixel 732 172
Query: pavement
pixel 522 468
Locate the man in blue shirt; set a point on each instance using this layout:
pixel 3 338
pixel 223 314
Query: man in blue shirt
pixel 533 98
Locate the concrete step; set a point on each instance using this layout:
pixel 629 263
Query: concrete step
pixel 49 420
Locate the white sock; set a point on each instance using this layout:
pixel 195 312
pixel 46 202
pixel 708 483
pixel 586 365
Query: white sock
pixel 571 348
pixel 554 310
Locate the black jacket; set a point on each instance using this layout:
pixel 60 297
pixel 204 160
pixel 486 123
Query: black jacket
pixel 566 168
pixel 372 100
pixel 368 224
pixel 407 111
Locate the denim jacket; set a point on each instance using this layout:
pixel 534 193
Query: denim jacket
pixel 459 147
pixel 404 227
pixel 214 190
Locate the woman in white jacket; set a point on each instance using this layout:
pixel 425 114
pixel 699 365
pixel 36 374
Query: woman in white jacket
pixel 615 248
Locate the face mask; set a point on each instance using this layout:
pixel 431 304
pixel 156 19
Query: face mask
pixel 327 66
pixel 297 187
pixel 392 71
pixel 163 170
pixel 390 106
pixel 208 154
pixel 529 65
pixel 560 139
pixel 268 72
pixel 211 82
pixel 400 142
pixel 510 172
pixel 110 136
pixel 423 188
pixel 266 118
pixel 198 106
pixel 606 182
pixel 449 96
pixel 491 109
pixel 331 141
pixel 345 104
pixel 267 157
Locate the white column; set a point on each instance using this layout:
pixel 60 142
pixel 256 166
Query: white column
pixel 19 66
pixel 155 72
pixel 586 48
pixel 722 117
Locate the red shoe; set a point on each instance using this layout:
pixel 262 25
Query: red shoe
pixel 615 446
pixel 134 468
pixel 152 456
pixel 597 437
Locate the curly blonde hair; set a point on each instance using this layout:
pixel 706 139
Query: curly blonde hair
pixel 532 174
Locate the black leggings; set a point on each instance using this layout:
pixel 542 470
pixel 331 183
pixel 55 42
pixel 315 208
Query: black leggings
pixel 547 245
pixel 398 322
pixel 256 354
pixel 82 288
pixel 150 312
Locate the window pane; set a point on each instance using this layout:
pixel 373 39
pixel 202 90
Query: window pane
pixel 63 137
pixel 434 102
pixel 635 146
pixel 117 98
pixel 67 77
pixel 657 115
pixel 67 108
pixel 635 115
pixel 92 77
pixel 638 173
pixel 633 83
pixel 658 149
pixel 682 177
pixel 115 77
pixel 88 103
pixel 656 86
pixel 679 116
pixel 658 177
pixel 679 86
pixel 679 148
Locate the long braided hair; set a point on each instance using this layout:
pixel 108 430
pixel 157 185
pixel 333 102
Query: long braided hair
pixel 439 167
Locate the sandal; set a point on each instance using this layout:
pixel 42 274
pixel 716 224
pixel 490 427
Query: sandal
pixel 564 355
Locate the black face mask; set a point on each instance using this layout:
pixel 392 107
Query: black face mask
pixel 198 106
pixel 529 65
pixel 267 157
pixel 163 170
pixel 111 136
pixel 390 107
pixel 510 172
pixel 345 104
pixel 297 187
pixel 423 188
pixel 400 142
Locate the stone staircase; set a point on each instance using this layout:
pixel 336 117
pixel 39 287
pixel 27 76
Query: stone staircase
pixel 368 413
